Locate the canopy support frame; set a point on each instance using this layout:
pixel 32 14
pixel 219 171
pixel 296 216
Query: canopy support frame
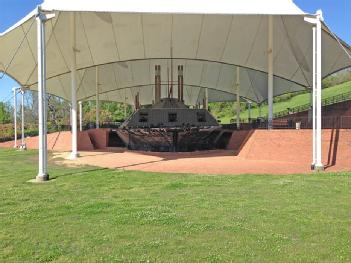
pixel 80 116
pixel 97 98
pixel 74 127
pixel 317 164
pixel 23 145
pixel 15 116
pixel 237 98
pixel 205 106
pixel 270 57
pixel 41 18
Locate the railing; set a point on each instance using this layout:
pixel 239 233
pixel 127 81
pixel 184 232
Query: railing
pixel 293 122
pixel 328 122
pixel 325 102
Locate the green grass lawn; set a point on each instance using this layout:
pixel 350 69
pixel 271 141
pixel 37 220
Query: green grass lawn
pixel 97 215
pixel 295 101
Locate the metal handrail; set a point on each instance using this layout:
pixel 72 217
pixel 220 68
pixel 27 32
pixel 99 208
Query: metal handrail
pixel 325 102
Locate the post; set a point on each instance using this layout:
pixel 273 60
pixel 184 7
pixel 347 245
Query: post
pixel 90 120
pixel 42 173
pixel 309 117
pixel 180 83
pixel 314 101
pixel 159 89
pixel 270 70
pixel 97 114
pixel 168 86
pixel 15 115
pixel 74 152
pixel 249 104
pixel 206 99
pixel 125 104
pixel 80 116
pixel 171 87
pixel 70 115
pixel 23 144
pixel 237 98
pixel 137 101
pixel 157 83
pixel 318 165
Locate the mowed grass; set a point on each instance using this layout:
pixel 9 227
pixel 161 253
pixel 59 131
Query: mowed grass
pixel 295 101
pixel 97 215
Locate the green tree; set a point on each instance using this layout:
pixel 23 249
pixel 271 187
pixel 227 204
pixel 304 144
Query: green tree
pixel 5 113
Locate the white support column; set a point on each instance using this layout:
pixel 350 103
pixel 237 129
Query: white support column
pixel 206 99
pixel 309 117
pixel 70 115
pixel 23 144
pixel 42 173
pixel 15 115
pixel 80 116
pixel 74 151
pixel 270 55
pixel 318 164
pixel 237 98
pixel 97 97
pixel 314 101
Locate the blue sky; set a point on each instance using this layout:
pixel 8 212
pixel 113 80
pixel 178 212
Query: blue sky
pixel 336 13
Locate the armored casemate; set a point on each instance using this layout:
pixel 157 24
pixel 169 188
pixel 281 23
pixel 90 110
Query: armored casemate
pixel 168 124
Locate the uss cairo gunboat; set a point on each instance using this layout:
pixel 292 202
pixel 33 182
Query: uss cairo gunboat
pixel 168 125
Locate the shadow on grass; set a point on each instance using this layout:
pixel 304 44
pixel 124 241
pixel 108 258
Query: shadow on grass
pixel 140 163
pixel 79 172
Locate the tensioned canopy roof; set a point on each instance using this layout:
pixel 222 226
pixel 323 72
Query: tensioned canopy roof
pixel 126 39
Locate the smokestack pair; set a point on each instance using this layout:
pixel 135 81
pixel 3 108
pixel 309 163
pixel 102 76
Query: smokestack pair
pixel 158 83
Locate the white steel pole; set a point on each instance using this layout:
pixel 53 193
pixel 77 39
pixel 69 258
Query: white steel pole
pixel 80 116
pixel 206 99
pixel 270 70
pixel 314 101
pixel 309 117
pixel 70 115
pixel 74 153
pixel 23 144
pixel 319 165
pixel 238 98
pixel 97 98
pixel 15 115
pixel 42 173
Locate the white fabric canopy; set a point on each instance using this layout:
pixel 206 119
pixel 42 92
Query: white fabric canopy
pixel 253 7
pixel 126 39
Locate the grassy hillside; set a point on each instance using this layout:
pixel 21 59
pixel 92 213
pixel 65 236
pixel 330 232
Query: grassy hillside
pixel 224 111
